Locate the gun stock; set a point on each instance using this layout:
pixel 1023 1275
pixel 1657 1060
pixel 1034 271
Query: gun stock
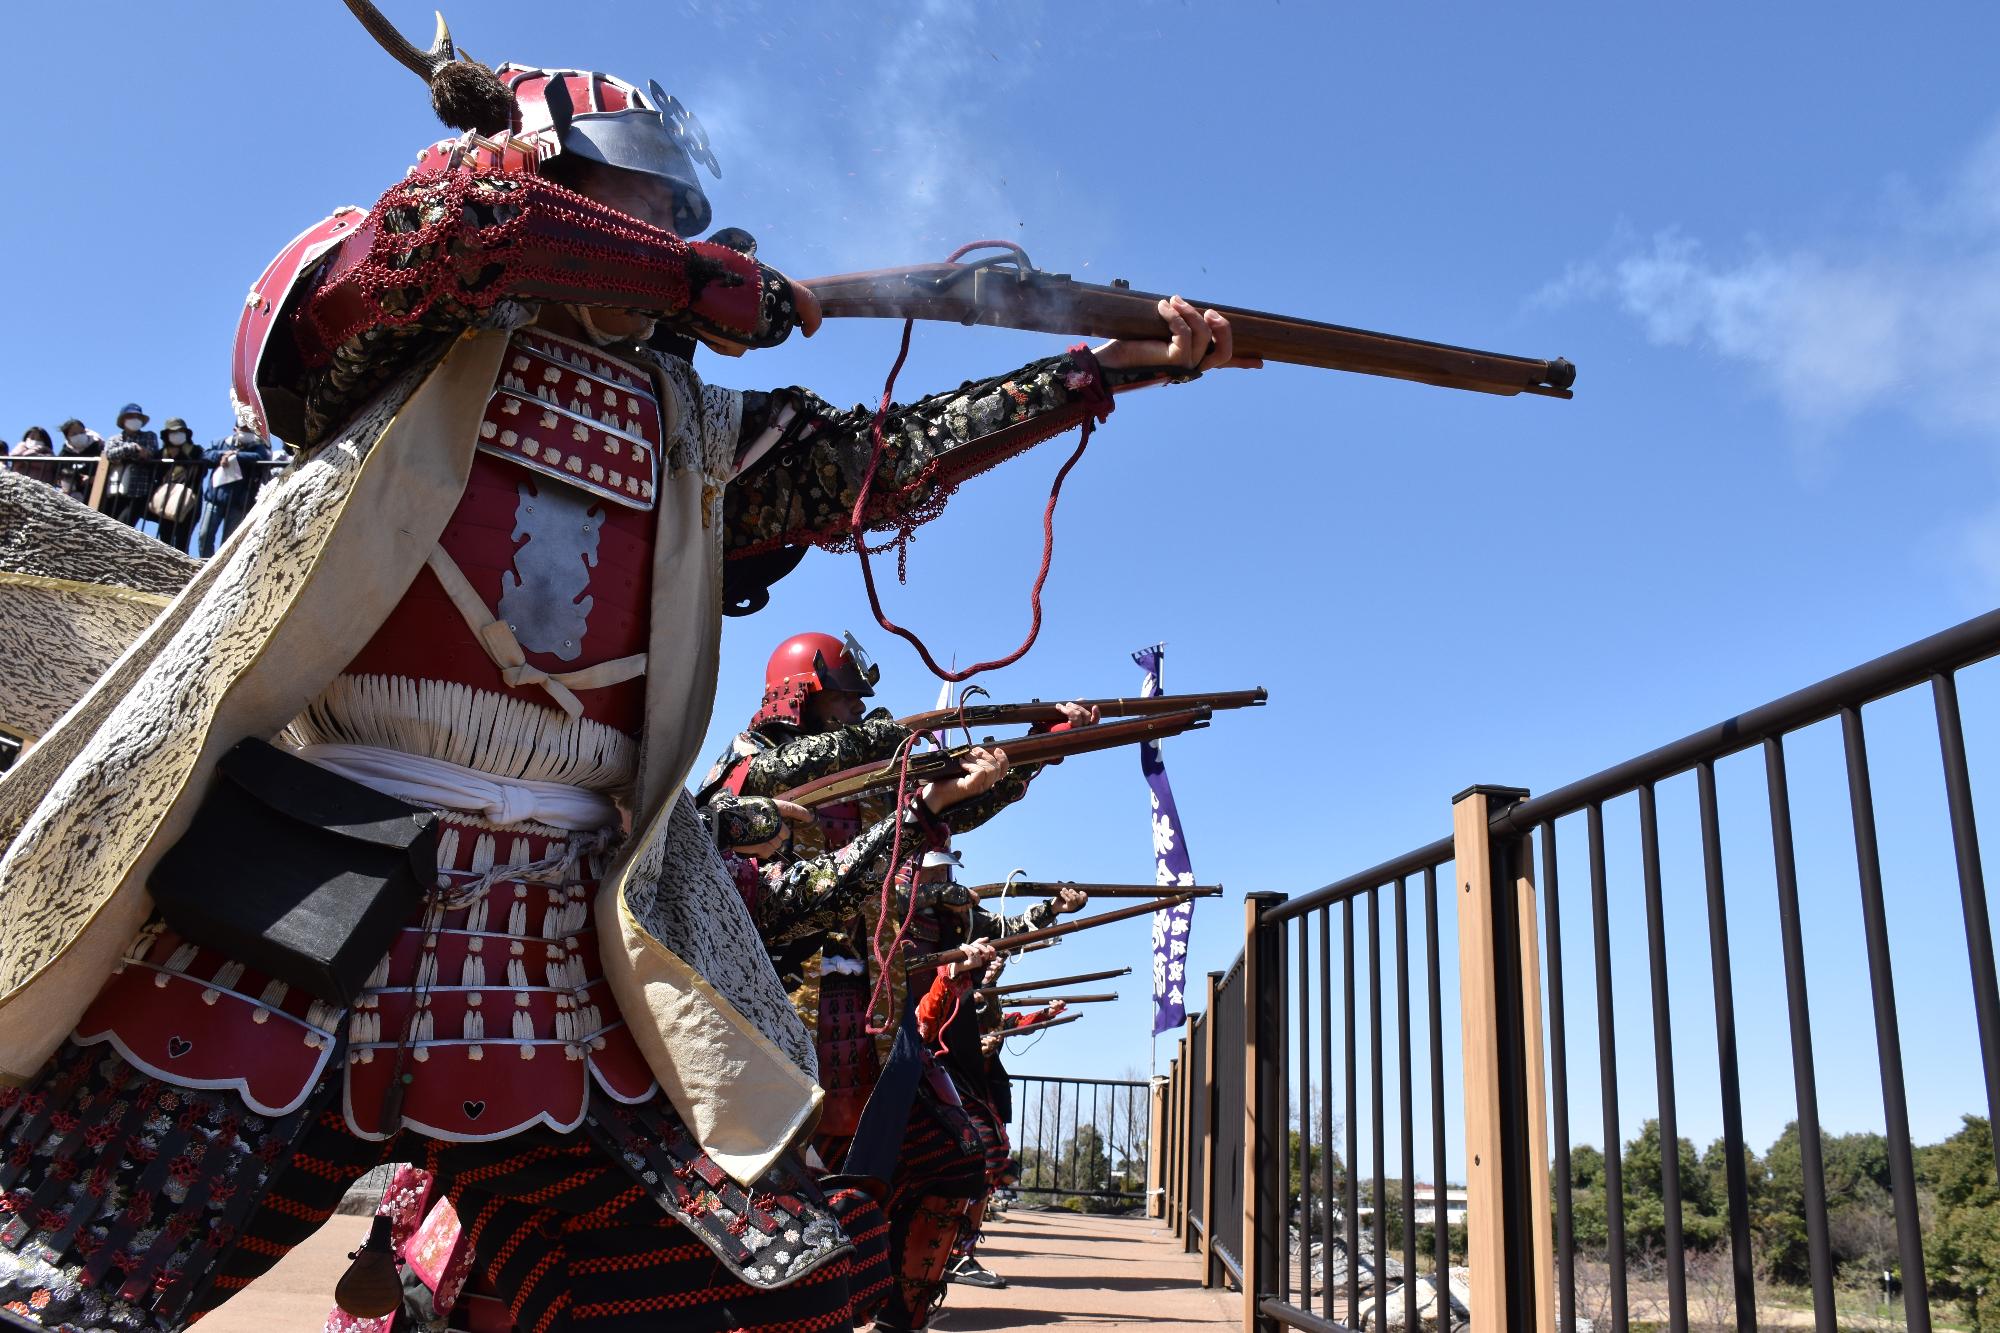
pixel 1009 292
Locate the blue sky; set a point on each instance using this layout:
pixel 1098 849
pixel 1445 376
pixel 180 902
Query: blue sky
pixel 1770 240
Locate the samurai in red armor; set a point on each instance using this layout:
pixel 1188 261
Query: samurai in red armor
pixel 812 722
pixel 491 593
pixel 894 1114
pixel 970 1045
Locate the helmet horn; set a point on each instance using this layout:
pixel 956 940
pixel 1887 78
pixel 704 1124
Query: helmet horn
pixel 425 64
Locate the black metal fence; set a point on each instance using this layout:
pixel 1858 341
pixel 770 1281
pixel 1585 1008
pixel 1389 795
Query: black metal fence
pixel 1321 1238
pixel 83 478
pixel 1083 1138
pixel 1228 1141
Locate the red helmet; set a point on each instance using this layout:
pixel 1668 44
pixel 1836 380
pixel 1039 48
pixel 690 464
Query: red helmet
pixel 805 664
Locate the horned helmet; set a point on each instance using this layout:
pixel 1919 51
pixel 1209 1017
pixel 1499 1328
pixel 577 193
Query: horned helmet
pixel 515 117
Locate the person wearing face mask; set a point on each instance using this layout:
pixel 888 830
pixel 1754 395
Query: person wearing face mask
pixel 79 441
pixel 133 452
pixel 176 500
pixel 230 484
pixel 34 443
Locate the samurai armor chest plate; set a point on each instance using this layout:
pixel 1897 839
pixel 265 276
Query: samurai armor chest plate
pixel 572 411
pixel 569 571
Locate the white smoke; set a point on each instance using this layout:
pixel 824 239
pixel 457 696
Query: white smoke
pixel 897 157
pixel 1903 319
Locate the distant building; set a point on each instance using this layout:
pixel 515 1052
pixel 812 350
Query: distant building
pixel 1424 1202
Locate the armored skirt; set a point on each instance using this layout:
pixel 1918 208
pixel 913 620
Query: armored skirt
pixel 205 1119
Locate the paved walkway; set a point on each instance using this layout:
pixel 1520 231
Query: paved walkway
pixel 1063 1269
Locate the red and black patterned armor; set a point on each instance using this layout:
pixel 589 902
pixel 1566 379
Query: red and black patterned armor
pixel 483 987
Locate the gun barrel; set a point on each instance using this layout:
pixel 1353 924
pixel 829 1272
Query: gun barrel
pixel 1029 939
pixel 1038 1001
pixel 1039 888
pixel 1037 1027
pixel 1011 295
pixel 1046 982
pixel 1038 712
pixel 853 782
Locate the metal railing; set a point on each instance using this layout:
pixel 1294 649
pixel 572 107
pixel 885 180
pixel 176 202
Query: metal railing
pixel 1314 1222
pixel 1083 1138
pixel 84 478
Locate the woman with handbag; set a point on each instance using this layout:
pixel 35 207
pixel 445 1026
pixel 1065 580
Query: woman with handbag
pixel 176 501
pixel 229 485
pixel 133 451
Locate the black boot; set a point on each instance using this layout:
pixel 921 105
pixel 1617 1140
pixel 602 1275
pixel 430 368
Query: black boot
pixel 972 1273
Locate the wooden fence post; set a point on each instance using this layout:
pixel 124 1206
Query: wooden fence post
pixel 1183 1137
pixel 1266 1240
pixel 1510 1249
pixel 1169 1106
pixel 1156 1136
pixel 1211 1113
pixel 97 478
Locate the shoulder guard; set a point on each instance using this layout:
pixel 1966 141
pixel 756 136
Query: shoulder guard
pixel 265 375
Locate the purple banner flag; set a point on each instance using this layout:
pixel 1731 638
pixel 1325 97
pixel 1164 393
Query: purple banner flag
pixel 1170 867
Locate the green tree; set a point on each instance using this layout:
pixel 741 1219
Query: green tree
pixel 1645 1194
pixel 1084 1165
pixel 1962 1247
pixel 1589 1219
pixel 1860 1213
pixel 1781 1222
pixel 1713 1197
pixel 1315 1165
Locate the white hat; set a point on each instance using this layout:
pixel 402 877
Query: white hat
pixel 932 860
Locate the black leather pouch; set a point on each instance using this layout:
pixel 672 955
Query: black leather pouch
pixel 297 871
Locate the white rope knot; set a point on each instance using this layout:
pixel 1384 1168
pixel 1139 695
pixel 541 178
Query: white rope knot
pixel 505 651
pixel 437 784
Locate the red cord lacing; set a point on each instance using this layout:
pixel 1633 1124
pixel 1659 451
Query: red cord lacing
pixel 858 525
pixel 861 508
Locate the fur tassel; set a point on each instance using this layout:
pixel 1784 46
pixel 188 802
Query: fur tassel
pixel 469 96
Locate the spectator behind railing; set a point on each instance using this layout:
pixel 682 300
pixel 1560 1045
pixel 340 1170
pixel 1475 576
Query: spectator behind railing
pixel 133 452
pixel 176 500
pixel 35 443
pixel 235 470
pixel 78 442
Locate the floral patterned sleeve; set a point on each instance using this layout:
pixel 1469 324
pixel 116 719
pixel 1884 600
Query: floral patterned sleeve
pixel 782 767
pixel 801 461
pixel 985 925
pixel 742 821
pixel 820 893
pixel 969 814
